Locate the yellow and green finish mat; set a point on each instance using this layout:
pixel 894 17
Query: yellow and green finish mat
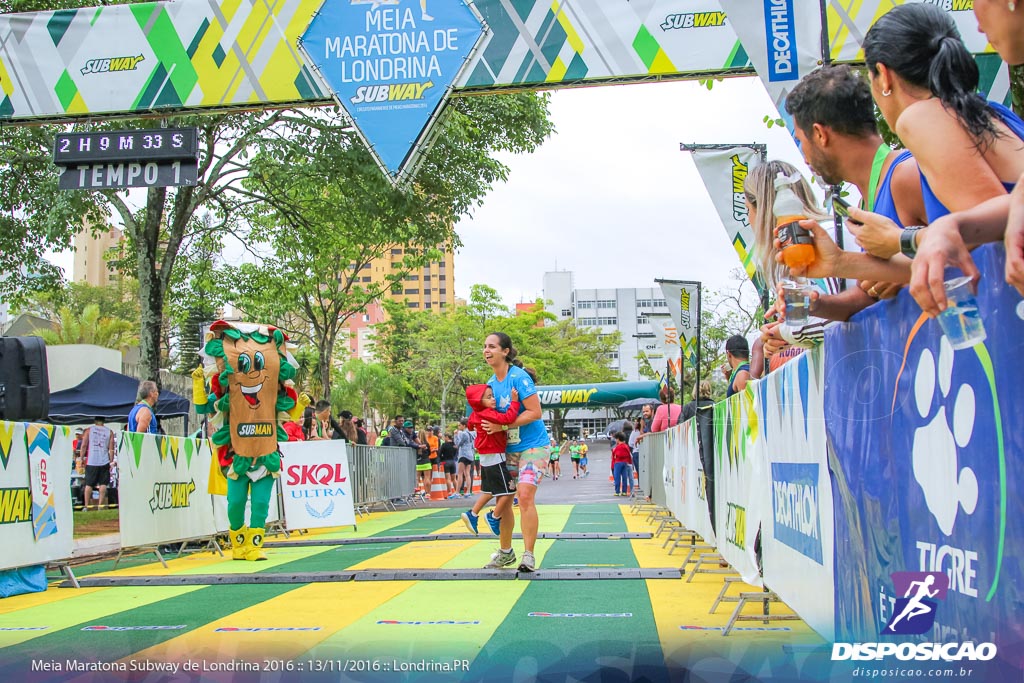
pixel 399 630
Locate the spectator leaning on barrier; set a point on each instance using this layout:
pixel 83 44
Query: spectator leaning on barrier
pixel 142 417
pixel 737 370
pixel 396 437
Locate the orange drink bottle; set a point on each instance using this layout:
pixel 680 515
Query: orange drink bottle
pixel 797 243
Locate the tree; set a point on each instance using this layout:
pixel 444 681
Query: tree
pixel 332 213
pixel 87 327
pixel 372 389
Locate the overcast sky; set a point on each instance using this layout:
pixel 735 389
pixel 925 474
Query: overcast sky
pixel 610 197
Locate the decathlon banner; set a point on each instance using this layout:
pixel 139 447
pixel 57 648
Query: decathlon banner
pixel 683 300
pixel 724 170
pixel 798 530
pixel 317 484
pixel 162 490
pixel 35 498
pixel 783 40
pixel 666 337
pixel 927 447
pixel 741 490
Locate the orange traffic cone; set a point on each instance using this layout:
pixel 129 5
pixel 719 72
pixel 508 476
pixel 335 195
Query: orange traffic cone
pixel 476 482
pixel 438 488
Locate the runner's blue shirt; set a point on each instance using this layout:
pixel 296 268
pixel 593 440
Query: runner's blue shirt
pixel 533 435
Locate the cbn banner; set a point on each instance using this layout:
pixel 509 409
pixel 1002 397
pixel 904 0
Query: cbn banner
pixel 163 488
pixel 35 495
pixel 926 451
pixel 741 491
pixel 683 300
pixel 798 533
pixel 317 484
pixel 724 171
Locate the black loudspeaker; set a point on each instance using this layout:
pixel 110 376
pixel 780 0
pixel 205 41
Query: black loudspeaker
pixel 24 381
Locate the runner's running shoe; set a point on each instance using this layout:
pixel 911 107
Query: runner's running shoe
pixel 471 521
pixel 528 564
pixel 500 560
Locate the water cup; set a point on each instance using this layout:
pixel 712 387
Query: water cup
pixel 798 302
pixel 961 321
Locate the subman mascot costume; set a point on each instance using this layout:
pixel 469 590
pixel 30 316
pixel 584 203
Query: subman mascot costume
pixel 247 397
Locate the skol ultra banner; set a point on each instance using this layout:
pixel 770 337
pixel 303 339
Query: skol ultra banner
pixel 35 497
pixel 798 530
pixel 926 447
pixel 317 484
pixel 162 489
pixel 741 492
pixel 724 171
pixel 683 300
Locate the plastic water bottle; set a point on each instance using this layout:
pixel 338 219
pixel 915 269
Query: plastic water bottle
pixel 797 243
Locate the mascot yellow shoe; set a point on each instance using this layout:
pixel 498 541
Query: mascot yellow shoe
pixel 239 543
pixel 254 543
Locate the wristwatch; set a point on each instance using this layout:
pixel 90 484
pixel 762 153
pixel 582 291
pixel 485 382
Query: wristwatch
pixel 908 241
pixel 504 428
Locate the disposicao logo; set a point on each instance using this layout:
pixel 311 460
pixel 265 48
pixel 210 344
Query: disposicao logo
pixel 914 614
pixel 102 66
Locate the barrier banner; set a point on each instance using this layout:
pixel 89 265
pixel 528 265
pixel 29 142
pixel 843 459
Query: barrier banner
pixel 724 171
pixel 162 489
pixel 35 494
pixel 317 484
pixel 926 452
pixel 798 530
pixel 741 490
pixel 696 514
pixel 683 300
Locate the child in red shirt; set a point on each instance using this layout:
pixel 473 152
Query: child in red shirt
pixel 494 477
pixel 622 466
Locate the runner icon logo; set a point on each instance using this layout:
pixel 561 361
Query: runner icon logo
pixel 914 613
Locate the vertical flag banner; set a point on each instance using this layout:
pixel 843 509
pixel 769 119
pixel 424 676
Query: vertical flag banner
pixel 35 499
pixel 682 299
pixel 38 440
pixel 317 484
pixel 666 338
pixel 724 170
pixel 783 40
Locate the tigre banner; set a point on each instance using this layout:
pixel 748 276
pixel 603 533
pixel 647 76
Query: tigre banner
pixel 163 489
pixel 798 532
pixel 724 170
pixel 35 499
pixel 317 484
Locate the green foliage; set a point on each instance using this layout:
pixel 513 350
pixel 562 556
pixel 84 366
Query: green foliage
pixel 87 327
pixel 370 391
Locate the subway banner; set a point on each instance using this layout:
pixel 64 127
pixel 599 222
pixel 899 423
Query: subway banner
pixel 724 169
pixel 683 300
pixel 798 531
pixel 35 496
pixel 600 395
pixel 196 54
pixel 162 489
pixel 740 475
pixel 317 485
pixel 926 451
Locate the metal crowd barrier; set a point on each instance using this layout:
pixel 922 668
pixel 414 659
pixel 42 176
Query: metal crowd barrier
pixel 652 465
pixel 382 475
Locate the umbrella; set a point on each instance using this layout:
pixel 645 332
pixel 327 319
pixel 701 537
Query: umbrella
pixel 615 426
pixel 636 403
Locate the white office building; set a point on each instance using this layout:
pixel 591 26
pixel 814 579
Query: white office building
pixel 610 310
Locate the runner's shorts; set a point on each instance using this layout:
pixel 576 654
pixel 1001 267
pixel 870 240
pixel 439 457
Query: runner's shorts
pixel 97 475
pixel 495 480
pixel 528 466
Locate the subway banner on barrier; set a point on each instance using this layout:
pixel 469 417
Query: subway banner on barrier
pixel 724 169
pixel 162 488
pixel 317 484
pixel 941 491
pixel 683 300
pixel 602 394
pixel 35 497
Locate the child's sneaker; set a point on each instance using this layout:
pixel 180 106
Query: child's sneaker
pixel 502 560
pixel 471 521
pixel 493 522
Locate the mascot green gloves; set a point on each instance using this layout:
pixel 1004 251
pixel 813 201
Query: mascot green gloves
pixel 247 395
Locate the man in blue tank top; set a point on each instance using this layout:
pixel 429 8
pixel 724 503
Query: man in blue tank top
pixel 142 417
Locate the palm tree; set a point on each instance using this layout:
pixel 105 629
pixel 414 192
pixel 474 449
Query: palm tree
pixel 89 328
